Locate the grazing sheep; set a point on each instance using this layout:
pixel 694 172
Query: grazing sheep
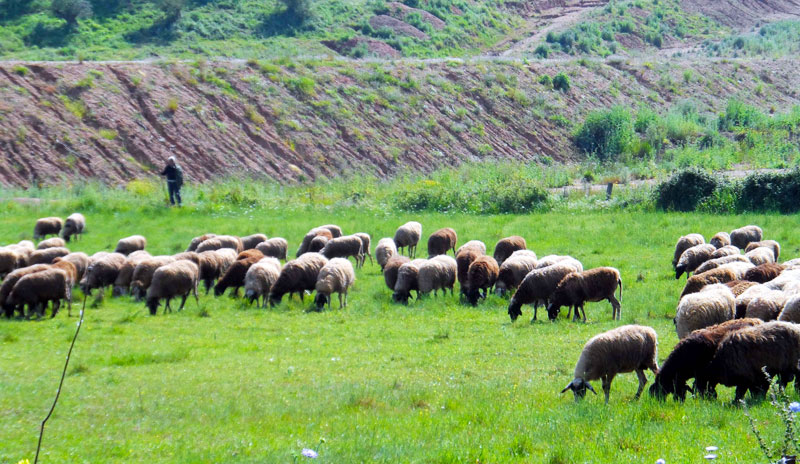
pixel 741 237
pixel 306 243
pixel 212 264
pixel 442 241
pixel 102 273
pixel 764 272
pixel 23 251
pixel 47 255
pixel 739 286
pixel 384 250
pixel 275 247
pixel 715 263
pixel 684 243
pixel 69 268
pixel 297 276
pixel 123 282
pixel 335 277
pixel 715 276
pixel 727 250
pixel 506 246
pixel 692 258
pixel 80 261
pixel 344 247
pixel 98 256
pixel 712 305
pixel 249 242
pixel 221 241
pixel 8 261
pixel 391 269
pixel 577 288
pixel 738 267
pixel 54 242
pixel 720 240
pixel 767 306
pixel 408 235
pixel 335 230
pixel 37 289
pixel 407 280
pixel 130 244
pixel 198 240
pixel 143 274
pixel 178 278
pixel 744 299
pixel 760 255
pixel 624 349
pixel 189 256
pixel 550 260
pixel 260 278
pixel 690 360
pixel 236 272
pixel 514 269
pixel 437 273
pixel 741 356
pixel 73 226
pixel 792 263
pixel 791 310
pixel 787 278
pixel 464 259
pixel 251 253
pixel 366 243
pixel 538 286
pixel 318 243
pixel 11 279
pixel 473 244
pixel 771 244
pixel 481 277
pixel 47 226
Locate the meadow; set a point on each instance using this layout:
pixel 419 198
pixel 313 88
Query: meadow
pixel 434 381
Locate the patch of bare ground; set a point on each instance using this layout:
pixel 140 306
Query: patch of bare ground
pixel 378 22
pixel 744 13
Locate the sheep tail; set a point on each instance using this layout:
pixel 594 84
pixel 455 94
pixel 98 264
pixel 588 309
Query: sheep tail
pixel 619 281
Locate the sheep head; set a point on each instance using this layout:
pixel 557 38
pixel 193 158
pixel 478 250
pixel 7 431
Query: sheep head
pixel 578 387
pixel 321 300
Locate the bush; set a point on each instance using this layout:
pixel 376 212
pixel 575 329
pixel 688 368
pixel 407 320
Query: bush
pixel 542 51
pixel 606 134
pixel 738 115
pixel 298 10
pixel 685 190
pixel 71 10
pixel 771 192
pixel 561 82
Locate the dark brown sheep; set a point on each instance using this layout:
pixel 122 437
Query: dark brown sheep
pixel 441 241
pixel 143 274
pixel 720 239
pixel 178 278
pixel 593 285
pixel 506 246
pixel 764 272
pixel 741 237
pixel 464 259
pixel 47 226
pixel 344 247
pixel 696 282
pixel 391 269
pixel 11 279
pixel 73 226
pixel 47 255
pixel 275 247
pixel 306 243
pixel 407 281
pixel 538 286
pixel 213 264
pixel 123 282
pixel 234 276
pixel 318 243
pixel 684 243
pixel 39 288
pixel 251 253
pixel 692 258
pixel 481 277
pixel 221 241
pixel 102 273
pixel 297 276
pixel 249 242
pixel 198 240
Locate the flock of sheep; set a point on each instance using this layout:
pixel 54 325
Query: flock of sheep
pixel 736 314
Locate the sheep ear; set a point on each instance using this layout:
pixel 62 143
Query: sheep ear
pixel 570 386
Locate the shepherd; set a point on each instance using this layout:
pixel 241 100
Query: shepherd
pixel 174 174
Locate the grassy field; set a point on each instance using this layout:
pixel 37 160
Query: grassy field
pixel 435 381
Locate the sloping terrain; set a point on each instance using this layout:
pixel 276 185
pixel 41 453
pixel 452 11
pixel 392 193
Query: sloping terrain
pixel 116 122
pixel 744 13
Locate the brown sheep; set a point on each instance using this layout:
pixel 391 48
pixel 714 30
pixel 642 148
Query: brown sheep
pixel 407 281
pixel 741 237
pixel 8 261
pixel 69 268
pixel 366 243
pixel 408 235
pixel 192 256
pixel 335 230
pixel 251 253
pixel 506 246
pixel 344 247
pixel 739 286
pixel 178 278
pixel 684 243
pixel 11 279
pixel 198 240
pixel 47 255
pixel 727 250
pixel 592 285
pixel 297 276
pixel 318 243
pixel 39 288
pixel 275 247
pixel 337 276
pixel 123 282
pixel 481 277
pixel 771 244
pixel 390 270
pixel 102 273
pixel 696 282
pixel 250 241
pixel 130 244
pixel 441 241
pixel 514 269
pixel 143 275
pixel 213 264
pixel 720 239
pixel 234 276
pixel 47 226
pixel 73 226
pixel 54 242
pixel 763 273
pixel 221 241
pixel 306 243
pixel 464 259
pixel 692 258
pixel 80 261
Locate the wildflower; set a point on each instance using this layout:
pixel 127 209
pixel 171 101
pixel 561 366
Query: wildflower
pixel 661 461
pixel 794 406
pixel 710 457
pixel 711 449
pixel 309 453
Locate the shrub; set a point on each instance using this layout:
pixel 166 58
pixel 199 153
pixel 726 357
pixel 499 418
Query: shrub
pixel 739 114
pixel 561 82
pixel 298 10
pixel 71 10
pixel 605 134
pixel 545 80
pixel 542 51
pixel 685 190
pixel 771 192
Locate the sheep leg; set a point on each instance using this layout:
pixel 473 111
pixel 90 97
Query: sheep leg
pixel 183 302
pixel 642 382
pixel 341 305
pixel 740 391
pixel 166 306
pixel 371 262
pixel 616 312
pixel 607 386
pixel 196 298
pixel 583 312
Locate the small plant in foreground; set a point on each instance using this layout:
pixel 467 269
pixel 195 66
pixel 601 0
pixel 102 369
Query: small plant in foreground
pixel 785 411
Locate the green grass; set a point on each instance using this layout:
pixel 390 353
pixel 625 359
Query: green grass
pixel 435 381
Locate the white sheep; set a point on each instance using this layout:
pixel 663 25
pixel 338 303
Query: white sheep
pixel 692 258
pixel 178 278
pixel 384 250
pixel 791 310
pixel 408 235
pixel 473 244
pixel 761 255
pixel 766 306
pixel 624 349
pixel 260 278
pixel 712 305
pixel 337 276
pixel 684 243
pixel 717 262
pixel 727 250
pixel 130 244
pixel 514 269
pixel 437 273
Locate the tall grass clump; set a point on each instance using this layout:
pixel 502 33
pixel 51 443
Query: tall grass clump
pixel 606 134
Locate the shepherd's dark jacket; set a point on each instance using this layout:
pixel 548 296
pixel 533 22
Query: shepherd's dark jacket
pixel 171 172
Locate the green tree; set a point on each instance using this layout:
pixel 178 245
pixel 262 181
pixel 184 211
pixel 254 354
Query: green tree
pixel 606 134
pixel 172 9
pixel 71 10
pixel 298 10
pixel 13 8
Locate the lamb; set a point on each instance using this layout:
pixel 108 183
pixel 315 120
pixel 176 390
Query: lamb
pixel 442 241
pixel 384 250
pixel 297 276
pixel 391 269
pixel 407 281
pixel 318 243
pixel 345 247
pixel 102 273
pixel 408 235
pixel 624 349
pixel 764 273
pixel 506 246
pixel 143 274
pixel 47 255
pixel 720 240
pixel 54 242
pixel 11 279
pixel 791 310
pixel 538 286
pixel 315 232
pixel 690 360
pixel 214 263
pixel 47 226
pixel 337 276
pixel 760 255
pixel 767 306
pixel 727 250
pixel 464 259
pixel 130 244
pixel 235 274
pixel 715 263
pixel 593 285
pixel 73 226
pixel 249 242
pixel 684 243
pixel 739 286
pixel 221 241
pixel 260 278
pixel 697 282
pixel 366 243
pixel 275 247
pixel 39 288
pixel 198 240
pixel 514 269
pixel 741 237
pixel 692 258
pixel 712 305
pixel 772 244
pixel 178 278
pixel 741 356
pixel 481 278
pixel 473 244
pixel 437 273
pixel 123 281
